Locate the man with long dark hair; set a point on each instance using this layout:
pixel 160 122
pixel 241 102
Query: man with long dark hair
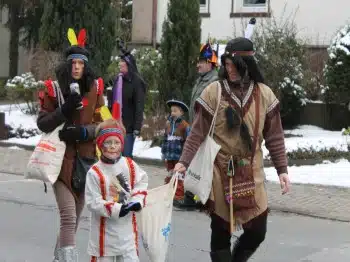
pixel 82 95
pixel 248 114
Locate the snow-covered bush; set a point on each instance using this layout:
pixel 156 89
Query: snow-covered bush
pixel 292 96
pixel 346 134
pixel 345 131
pixel 316 154
pixel 21 132
pixel 24 88
pixel 337 69
pixel 147 60
pixel 282 59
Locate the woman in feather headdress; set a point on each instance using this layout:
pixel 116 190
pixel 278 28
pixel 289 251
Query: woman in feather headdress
pixel 82 96
pixel 248 114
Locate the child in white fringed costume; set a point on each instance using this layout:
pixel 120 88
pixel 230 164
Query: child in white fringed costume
pixel 116 188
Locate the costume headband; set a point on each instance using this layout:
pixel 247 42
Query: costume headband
pixel 104 133
pixel 77 56
pixel 110 130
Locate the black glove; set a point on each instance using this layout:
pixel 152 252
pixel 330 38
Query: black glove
pixel 126 208
pixel 72 133
pixel 134 206
pixel 72 103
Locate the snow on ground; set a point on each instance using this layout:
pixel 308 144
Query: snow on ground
pixel 304 137
pixel 307 137
pixel 143 149
pixel 330 174
pixel 32 141
pixel 16 118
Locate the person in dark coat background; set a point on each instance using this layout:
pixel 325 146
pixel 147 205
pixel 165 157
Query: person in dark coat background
pixel 128 93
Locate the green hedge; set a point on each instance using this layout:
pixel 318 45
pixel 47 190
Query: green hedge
pixel 323 154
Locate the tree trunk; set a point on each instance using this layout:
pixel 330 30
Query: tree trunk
pixel 14 27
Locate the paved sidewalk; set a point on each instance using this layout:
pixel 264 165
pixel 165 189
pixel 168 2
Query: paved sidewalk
pixel 312 200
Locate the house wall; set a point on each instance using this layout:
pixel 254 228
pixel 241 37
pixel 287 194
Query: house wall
pixel 142 21
pixel 317 21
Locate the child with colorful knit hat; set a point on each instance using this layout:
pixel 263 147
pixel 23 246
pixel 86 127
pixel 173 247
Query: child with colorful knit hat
pixel 176 131
pixel 116 188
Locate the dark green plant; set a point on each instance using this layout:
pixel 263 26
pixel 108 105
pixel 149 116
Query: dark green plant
pixel 31 23
pixel 312 153
pixel 97 17
pixel 337 70
pixel 2 89
pixel 180 47
pixel 124 19
pixel 22 23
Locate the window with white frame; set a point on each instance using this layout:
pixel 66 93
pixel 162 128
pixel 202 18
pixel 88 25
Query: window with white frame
pixel 204 6
pixel 250 6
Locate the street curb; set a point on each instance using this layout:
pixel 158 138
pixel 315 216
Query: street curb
pixel 160 163
pixel 307 214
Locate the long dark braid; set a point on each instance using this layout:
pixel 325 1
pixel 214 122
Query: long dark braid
pixel 235 119
pixel 244 131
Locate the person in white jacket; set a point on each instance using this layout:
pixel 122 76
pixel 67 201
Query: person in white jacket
pixel 116 188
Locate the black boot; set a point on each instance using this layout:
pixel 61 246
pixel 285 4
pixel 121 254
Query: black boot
pixel 187 203
pixel 240 253
pixel 184 205
pixel 221 256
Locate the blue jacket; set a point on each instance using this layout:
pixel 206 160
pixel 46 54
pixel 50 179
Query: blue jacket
pixel 176 132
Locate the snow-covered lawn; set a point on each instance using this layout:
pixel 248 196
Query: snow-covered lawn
pixel 308 137
pixel 331 174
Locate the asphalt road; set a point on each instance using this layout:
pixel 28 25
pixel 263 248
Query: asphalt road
pixel 29 223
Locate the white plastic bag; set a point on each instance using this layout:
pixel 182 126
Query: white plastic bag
pixel 154 220
pixel 199 175
pixel 46 161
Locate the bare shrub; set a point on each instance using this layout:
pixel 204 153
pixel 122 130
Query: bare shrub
pixel 154 126
pixel 42 63
pixel 281 55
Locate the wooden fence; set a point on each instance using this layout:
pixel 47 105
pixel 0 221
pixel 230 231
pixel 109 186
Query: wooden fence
pixel 327 116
